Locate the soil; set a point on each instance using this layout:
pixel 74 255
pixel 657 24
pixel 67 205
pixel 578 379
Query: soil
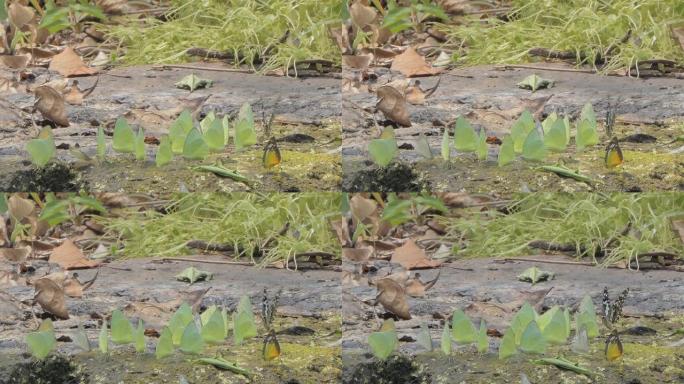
pixel 307 322
pixel 655 300
pixel 489 98
pixel 147 97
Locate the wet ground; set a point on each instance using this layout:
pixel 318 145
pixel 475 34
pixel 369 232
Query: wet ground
pixel 309 300
pixel 489 98
pixel 306 125
pixel 482 287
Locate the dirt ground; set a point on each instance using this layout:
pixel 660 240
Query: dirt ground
pixel 306 124
pixel 489 97
pixel 308 323
pixel 656 300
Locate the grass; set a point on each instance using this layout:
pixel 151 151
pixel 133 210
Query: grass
pixel 245 220
pixel 590 220
pixel 586 27
pixel 244 27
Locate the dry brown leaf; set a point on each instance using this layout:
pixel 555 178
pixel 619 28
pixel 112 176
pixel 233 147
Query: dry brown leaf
pixel 410 256
pixel 362 15
pixel 69 64
pixel 341 37
pixel 50 296
pixel 401 277
pixel 356 61
pixel 393 298
pixel 362 208
pixel 19 208
pixel 69 256
pixel 411 64
pixel 36 53
pixel 15 61
pixel 679 35
pixel 16 255
pixel 393 105
pixel 341 228
pixel 415 287
pixel 415 95
pixel 357 254
pixel 50 103
pixel 74 96
pixel 678 226
pixel 19 15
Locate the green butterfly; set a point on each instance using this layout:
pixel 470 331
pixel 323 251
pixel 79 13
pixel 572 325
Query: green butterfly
pixel 555 137
pixel 124 138
pixel 165 344
pixel 507 348
pixel 383 151
pixel 213 136
pixel 41 151
pixel 587 135
pixel 532 340
pixel 213 330
pixel 446 339
pixel 103 338
pixel 525 315
pixel 207 121
pixel 482 149
pixel 245 135
pixel 191 341
pixel 506 152
pixel 446 145
pixel 553 326
pixel 465 138
pixel 462 329
pixel 482 340
pixel 139 337
pixel 164 153
pixel 180 319
pixel 195 147
pixel 383 343
pixel 549 121
pixel 521 129
pixel 140 145
pixel 101 144
pixel 81 338
pixel 122 331
pixel 533 148
pixel 424 338
pixel 42 342
pixel 244 325
pixel 179 131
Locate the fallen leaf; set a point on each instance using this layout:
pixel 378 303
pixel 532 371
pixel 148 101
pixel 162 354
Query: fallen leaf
pixel 192 275
pixel 411 64
pixel 19 208
pixel 19 15
pixel 415 95
pixel 534 275
pixel 416 288
pixel 50 297
pixel 192 82
pixel 362 15
pixel 357 254
pixel 679 34
pixel 410 256
pixel 362 208
pixel 69 64
pixel 50 103
pixel 393 105
pixel 534 82
pixel 393 298
pixel 342 230
pixel 356 61
pixel 15 61
pixel 401 277
pixel 69 256
pixel 74 96
pixel 678 225
pixel 15 255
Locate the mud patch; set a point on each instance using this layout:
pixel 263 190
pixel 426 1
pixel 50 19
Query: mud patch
pixel 397 369
pixel 397 176
pixel 53 370
pixel 55 177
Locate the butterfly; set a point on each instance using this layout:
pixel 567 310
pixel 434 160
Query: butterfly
pixel 611 311
pixel 271 156
pixel 610 121
pixel 614 155
pixel 268 308
pixel 271 349
pixel 613 348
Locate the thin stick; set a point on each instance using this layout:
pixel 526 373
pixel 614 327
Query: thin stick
pixel 166 66
pixel 548 261
pixel 507 66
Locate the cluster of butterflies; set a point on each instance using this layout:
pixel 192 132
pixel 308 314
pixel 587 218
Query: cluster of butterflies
pixel 182 331
pixel 529 138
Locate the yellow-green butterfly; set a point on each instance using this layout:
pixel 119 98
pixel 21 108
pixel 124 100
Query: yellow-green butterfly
pixel 245 134
pixel 139 337
pixel 424 338
pixel 462 328
pixel 180 319
pixel 587 135
pixel 213 329
pixel 525 315
pixel 532 340
pixel 191 341
pixel 195 148
pixel 506 152
pixel 387 133
pixel 140 145
pixel 213 136
pixel 521 129
pixel 165 344
pixel 482 340
pixel 103 338
pixel 533 148
pixel 42 342
pixel 465 138
pixel 124 139
pixel 383 151
pixel 41 151
pixel 507 347
pixel 553 326
pixel 446 145
pixel 122 331
pixel 179 130
pixel 555 137
pixel 164 152
pixel 101 144
pixel 445 342
pixel 548 122
pixel 383 343
pixel 244 326
pixel 482 146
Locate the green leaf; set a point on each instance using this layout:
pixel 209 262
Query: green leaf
pixel 383 343
pixel 525 315
pixel 588 114
pixel 424 338
pixel 103 338
pixel 122 331
pixel 179 131
pixel 548 122
pixel 41 151
pixel 140 145
pixel 214 136
pixel 553 327
pixel 165 344
pixel 462 329
pixel 101 143
pixel 521 129
pixel 383 151
pixel 587 135
pixel 507 347
pixel 213 330
pixel 506 152
pixel 555 138
pixel 41 343
pixel 446 145
pixel 245 135
pixel 195 148
pixel 139 337
pixel 192 82
pixel 55 19
pixel 192 275
pixel 482 146
pixel 482 340
pixel 221 363
pixel 244 326
pixel 532 340
pixel 465 138
pixel 164 152
pixel 445 341
pixel 534 82
pixel 396 212
pixel 124 138
pixel 534 275
pixel 80 338
pixel 180 319
pixel 533 148
pixel 423 147
pixel 191 341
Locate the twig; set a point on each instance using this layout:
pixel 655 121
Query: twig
pixel 539 68
pixel 198 68
pixel 585 263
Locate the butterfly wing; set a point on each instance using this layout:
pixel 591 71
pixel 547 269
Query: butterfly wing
pixel 614 155
pixel 271 349
pixel 613 348
pixel 272 155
